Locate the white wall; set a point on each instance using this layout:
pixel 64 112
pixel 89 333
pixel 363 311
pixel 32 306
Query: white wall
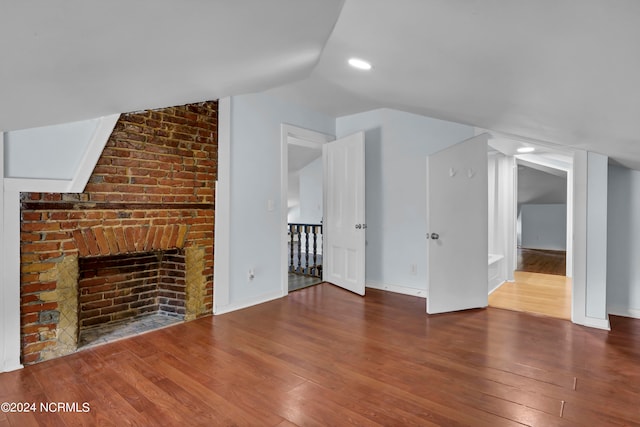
pixel 623 244
pixel 396 145
pixel 543 226
pixel 254 194
pixel 311 192
pixel 59 149
pixel 293 197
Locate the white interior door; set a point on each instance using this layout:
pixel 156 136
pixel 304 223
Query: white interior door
pixel 344 221
pixel 457 225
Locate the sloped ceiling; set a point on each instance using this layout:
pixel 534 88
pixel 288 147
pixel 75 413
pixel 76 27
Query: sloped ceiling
pixel 539 187
pixel 70 60
pixel 559 71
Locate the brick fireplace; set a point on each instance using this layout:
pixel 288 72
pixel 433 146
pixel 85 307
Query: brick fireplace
pixel 114 288
pixel 138 240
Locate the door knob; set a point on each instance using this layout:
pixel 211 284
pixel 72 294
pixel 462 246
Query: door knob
pixel 435 236
pixel 358 226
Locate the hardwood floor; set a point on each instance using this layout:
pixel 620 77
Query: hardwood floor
pixel 539 287
pixel 545 294
pixel 542 261
pixel 325 357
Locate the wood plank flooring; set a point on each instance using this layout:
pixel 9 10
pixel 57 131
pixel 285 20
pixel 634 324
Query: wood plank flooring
pixel 325 357
pixel 545 294
pixel 542 261
pixel 539 287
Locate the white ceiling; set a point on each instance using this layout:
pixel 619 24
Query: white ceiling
pixel 559 71
pixel 67 60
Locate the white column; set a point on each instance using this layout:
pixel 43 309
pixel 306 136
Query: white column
pixel 9 273
pixel 570 219
pixel 509 213
pixel 3 342
pixel 590 240
pixel 597 186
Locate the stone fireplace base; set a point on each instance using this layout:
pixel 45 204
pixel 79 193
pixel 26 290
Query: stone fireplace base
pixel 65 338
pixel 124 329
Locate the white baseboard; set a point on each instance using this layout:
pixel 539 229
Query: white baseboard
pixel 624 311
pixel 422 293
pixel 497 286
pixel 8 366
pixel 247 303
pixel 597 323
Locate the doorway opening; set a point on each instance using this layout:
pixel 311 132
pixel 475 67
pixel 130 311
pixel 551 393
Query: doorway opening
pixel 302 182
pixel 536 203
pixel 341 209
pixel 541 219
pixel 304 213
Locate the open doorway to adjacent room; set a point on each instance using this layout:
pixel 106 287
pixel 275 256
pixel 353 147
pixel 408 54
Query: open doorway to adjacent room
pixel 541 219
pixel 531 220
pixel 304 211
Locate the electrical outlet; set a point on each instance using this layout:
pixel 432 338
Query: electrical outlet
pixel 414 269
pixel 251 274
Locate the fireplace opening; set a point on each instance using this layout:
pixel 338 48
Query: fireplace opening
pixel 123 295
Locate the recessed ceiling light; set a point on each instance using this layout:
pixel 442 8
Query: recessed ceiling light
pixel 360 64
pixel 526 149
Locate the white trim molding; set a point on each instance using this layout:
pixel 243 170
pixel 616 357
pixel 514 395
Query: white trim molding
pixel 399 289
pixel 495 288
pixel 624 311
pixel 92 154
pixel 222 243
pixel 10 280
pixel 247 303
pixel 579 277
pixel 9 273
pixel 3 311
pixel 593 322
pixel 38 185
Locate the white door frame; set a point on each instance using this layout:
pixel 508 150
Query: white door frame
pixel 577 177
pixel 569 202
pixel 222 223
pixel 286 132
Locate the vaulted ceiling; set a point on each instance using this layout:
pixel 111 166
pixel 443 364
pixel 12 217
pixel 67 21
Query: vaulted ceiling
pixel 559 71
